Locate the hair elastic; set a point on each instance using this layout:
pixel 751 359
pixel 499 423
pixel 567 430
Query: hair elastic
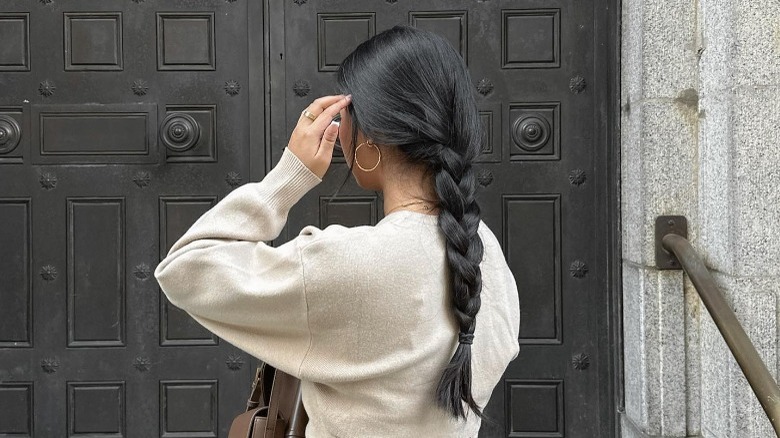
pixel 466 338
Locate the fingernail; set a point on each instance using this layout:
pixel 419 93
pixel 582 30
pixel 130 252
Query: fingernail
pixel 348 97
pixel 335 123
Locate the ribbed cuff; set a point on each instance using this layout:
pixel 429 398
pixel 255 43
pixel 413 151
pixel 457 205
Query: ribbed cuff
pixel 289 181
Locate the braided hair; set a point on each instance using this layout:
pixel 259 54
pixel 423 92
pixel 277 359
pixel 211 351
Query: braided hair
pixel 411 89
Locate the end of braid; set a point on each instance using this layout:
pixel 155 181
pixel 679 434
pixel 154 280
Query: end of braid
pixel 455 385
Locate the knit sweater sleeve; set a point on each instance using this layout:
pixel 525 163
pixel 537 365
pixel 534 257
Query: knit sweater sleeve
pixel 246 292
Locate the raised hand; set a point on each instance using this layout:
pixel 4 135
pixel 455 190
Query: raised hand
pixel 312 140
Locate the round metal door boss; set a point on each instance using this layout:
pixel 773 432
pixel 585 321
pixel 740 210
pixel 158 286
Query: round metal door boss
pixel 531 132
pixel 179 132
pixel 10 134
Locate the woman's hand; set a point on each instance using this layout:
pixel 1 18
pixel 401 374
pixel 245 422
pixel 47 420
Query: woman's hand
pixel 312 141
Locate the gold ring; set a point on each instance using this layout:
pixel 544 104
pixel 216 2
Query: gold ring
pixel 309 115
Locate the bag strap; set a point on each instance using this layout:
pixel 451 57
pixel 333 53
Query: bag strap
pixel 257 389
pixel 280 382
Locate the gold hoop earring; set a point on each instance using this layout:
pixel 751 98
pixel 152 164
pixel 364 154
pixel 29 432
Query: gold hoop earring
pixel 369 143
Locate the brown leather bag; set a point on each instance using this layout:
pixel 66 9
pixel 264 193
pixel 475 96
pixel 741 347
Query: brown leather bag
pixel 274 409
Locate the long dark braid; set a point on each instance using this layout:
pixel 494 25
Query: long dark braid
pixel 459 218
pixel 410 88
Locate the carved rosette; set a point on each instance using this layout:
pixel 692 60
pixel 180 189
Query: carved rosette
pixel 10 134
pixel 233 179
pixel 142 271
pixel 142 179
pixel 577 84
pixel 49 273
pixel 179 132
pixel 48 181
pixel 142 364
pixel 391 1
pixel 484 178
pixel 46 88
pixel 577 177
pixel 299 2
pixel 484 86
pixel 50 365
pixel 46 2
pixel 234 362
pixel 138 1
pixel 578 269
pixel 139 87
pixel 232 88
pixel 531 132
pixel 301 88
pixel 580 361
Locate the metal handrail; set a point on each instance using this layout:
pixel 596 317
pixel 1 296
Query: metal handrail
pixel 744 352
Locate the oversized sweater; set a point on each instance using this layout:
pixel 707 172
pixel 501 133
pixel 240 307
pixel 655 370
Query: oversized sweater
pixel 362 315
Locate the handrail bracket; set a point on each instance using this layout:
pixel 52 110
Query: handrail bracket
pixel 668 225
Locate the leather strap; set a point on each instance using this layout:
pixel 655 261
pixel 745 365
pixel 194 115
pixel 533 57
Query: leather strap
pixel 257 390
pixel 285 404
pixel 273 405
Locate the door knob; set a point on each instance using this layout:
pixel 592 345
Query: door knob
pixel 531 132
pixel 179 132
pixel 10 134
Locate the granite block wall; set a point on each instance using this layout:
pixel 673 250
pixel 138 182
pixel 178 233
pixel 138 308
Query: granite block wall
pixel 700 133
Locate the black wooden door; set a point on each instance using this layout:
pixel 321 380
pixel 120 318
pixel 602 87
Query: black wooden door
pixel 132 121
pixel 541 88
pixel 121 122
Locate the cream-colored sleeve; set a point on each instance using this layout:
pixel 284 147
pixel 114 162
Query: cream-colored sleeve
pixel 246 292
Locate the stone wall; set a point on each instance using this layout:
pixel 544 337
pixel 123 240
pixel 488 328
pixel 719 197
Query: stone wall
pixel 700 138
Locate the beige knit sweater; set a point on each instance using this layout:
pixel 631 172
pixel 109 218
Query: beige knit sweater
pixel 362 315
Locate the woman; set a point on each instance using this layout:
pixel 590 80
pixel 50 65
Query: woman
pixel 399 329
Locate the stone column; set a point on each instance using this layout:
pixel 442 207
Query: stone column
pixel 659 159
pixel 700 138
pixel 739 201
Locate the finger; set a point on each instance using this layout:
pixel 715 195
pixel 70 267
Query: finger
pixel 329 140
pixel 305 117
pixel 327 115
pixel 319 104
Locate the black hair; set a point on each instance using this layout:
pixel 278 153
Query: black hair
pixel 411 90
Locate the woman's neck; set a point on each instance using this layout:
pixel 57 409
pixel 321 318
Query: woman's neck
pixel 414 186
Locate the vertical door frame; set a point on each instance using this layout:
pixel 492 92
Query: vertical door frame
pixel 606 47
pixel 259 74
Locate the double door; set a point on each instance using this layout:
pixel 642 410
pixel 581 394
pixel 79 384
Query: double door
pixel 122 122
